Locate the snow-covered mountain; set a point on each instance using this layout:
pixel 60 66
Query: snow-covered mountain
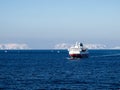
pixel 62 46
pixel 117 47
pixel 89 46
pixel 96 46
pixel 14 46
pixel 57 46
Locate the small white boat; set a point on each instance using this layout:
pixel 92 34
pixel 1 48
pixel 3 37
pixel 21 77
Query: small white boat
pixel 78 51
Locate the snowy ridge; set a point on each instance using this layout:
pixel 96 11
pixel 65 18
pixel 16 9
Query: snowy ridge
pixel 96 46
pixel 13 46
pixel 89 46
pixel 62 46
pixel 117 47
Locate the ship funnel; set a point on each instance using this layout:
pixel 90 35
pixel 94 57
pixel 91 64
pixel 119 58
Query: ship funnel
pixel 81 44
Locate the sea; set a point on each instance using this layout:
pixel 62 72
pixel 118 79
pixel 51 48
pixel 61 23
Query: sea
pixel 54 70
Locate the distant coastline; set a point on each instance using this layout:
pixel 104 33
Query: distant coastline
pixel 89 46
pixel 60 46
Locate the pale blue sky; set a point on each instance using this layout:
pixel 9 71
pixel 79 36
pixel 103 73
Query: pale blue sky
pixel 44 23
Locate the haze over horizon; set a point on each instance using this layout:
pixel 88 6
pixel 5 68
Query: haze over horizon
pixel 43 24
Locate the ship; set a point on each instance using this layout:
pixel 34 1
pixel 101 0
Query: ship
pixel 78 51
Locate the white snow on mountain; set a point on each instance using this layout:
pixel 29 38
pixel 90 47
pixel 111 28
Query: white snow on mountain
pixel 117 47
pixel 95 46
pixel 62 46
pixel 89 46
pixel 57 46
pixel 14 46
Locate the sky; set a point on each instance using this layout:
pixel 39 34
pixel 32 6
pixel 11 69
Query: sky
pixel 43 23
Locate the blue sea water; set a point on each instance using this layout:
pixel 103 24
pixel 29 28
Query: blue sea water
pixel 52 70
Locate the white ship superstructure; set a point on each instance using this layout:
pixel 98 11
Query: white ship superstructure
pixel 78 51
